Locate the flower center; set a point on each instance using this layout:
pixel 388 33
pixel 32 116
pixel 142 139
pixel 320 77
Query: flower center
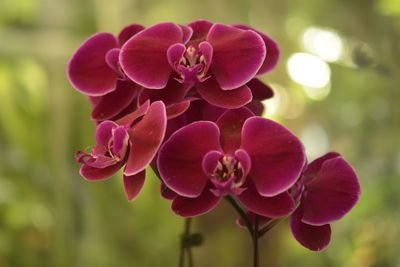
pixel 192 67
pixel 228 177
pixel 190 63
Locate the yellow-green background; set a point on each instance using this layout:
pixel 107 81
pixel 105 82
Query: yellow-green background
pixel 49 216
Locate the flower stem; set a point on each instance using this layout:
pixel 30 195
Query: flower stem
pixel 256 259
pixel 185 247
pixel 242 214
pixel 269 226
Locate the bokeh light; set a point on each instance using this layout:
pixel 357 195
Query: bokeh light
pixel 308 70
pixel 324 43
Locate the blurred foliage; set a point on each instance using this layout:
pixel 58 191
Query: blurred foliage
pixel 49 216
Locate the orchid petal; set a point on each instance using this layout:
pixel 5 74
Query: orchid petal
pixel 200 31
pixel 274 207
pixel 124 94
pixel 167 193
pixel 277 155
pixel 88 70
pixel 331 194
pixel 189 207
pixel 213 94
pixel 180 158
pixel 272 48
pixel 186 33
pixel 210 162
pixel 238 55
pixel 315 238
pixel 145 138
pixel 127 32
pixel 230 125
pixel 133 184
pixel 98 174
pixel 260 90
pixel 144 57
pixel 104 132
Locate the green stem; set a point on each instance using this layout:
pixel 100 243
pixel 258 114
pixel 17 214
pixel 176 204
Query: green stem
pixel 269 226
pixel 185 247
pixel 256 259
pixel 242 214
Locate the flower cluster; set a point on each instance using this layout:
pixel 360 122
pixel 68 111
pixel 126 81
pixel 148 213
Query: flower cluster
pixel 186 100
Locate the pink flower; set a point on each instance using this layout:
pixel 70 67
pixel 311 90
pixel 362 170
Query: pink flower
pixel 214 58
pixel 127 142
pixel 252 158
pixel 94 67
pixel 328 190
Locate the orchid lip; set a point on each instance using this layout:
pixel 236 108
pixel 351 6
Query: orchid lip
pixel 192 66
pixel 225 172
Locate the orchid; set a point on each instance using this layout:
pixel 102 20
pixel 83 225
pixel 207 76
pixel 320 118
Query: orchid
pixel 186 100
pixel 328 190
pixel 250 157
pixel 128 143
pixel 214 58
pixel 94 68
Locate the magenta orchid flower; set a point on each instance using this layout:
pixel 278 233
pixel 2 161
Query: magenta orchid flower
pixel 214 58
pixel 126 142
pixel 328 190
pixel 94 68
pixel 252 158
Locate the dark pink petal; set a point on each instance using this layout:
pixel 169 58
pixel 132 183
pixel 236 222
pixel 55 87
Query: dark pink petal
pixel 127 32
pixel 145 138
pixel 133 184
pixel 252 218
pixel 277 206
pixel 260 90
pixel 167 193
pixel 175 110
pixel 277 155
pixel 180 158
pixel 88 70
pixel 230 125
pixel 174 54
pixel 213 94
pixel 206 50
pixel 200 31
pixel 131 117
pixel 106 107
pixel 244 161
pixel 104 132
pixel 210 161
pixel 272 47
pixel 186 33
pixel 256 107
pixel 144 57
pixel 331 194
pixel 315 238
pixel 112 60
pixel 238 55
pixel 120 141
pixel 97 174
pixel 100 162
pixel 173 93
pixel 315 166
pixel 189 207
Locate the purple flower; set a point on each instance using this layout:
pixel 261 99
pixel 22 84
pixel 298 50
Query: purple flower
pixel 250 157
pixel 328 190
pixel 132 141
pixel 214 58
pixel 94 68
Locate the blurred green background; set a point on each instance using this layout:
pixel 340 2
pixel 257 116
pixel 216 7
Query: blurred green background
pixel 337 87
